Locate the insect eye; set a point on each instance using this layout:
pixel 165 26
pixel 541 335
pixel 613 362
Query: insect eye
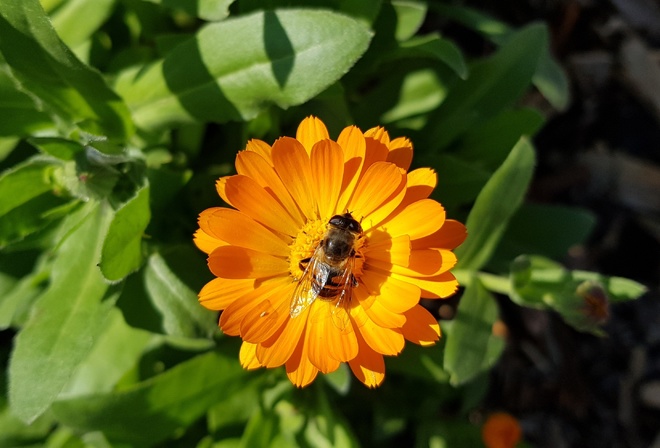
pixel 354 226
pixel 336 220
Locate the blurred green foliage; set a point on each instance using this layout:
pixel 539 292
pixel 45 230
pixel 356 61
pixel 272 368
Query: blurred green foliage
pixel 118 116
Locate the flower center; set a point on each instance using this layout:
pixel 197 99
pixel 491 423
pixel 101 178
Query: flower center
pixel 308 240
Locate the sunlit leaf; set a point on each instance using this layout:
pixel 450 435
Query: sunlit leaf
pixel 19 113
pixel 211 10
pixel 154 409
pixel 495 206
pixel 68 89
pixel 233 69
pixel 67 19
pixel 176 302
pixel 122 249
pixel 67 318
pixel 410 16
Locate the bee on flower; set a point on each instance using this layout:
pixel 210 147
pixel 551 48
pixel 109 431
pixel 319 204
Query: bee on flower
pixel 326 252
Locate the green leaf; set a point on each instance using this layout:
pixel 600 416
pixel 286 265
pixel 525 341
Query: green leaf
pixel 60 148
pixel 153 410
pixel 66 319
pixel 67 19
pixel 182 314
pixel 495 205
pixel 116 351
pixel 435 47
pixel 19 114
pixel 493 85
pixel 28 201
pixel 410 16
pixel 459 181
pixel 471 347
pixel 67 88
pixel 122 249
pixel 421 92
pixel 211 10
pixel 234 69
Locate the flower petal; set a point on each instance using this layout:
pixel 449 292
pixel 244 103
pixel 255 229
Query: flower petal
pixel 449 236
pixel 327 340
pixel 264 320
pixel 299 369
pixel 248 357
pixel 205 242
pixel 368 366
pixel 261 170
pixel 378 134
pixel 239 262
pixel 438 287
pixel 417 220
pixel 353 143
pixel 276 350
pixel 376 311
pixel 421 263
pixel 421 183
pixel 400 152
pixel 380 181
pixel 291 163
pixel 327 164
pixel 219 293
pixel 376 151
pixel 388 250
pixel 238 229
pixel 421 327
pixel 245 194
pixel 385 341
pixel 260 147
pixel 231 317
pixel 395 295
pixel 310 131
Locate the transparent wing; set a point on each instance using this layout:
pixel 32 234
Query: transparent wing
pixel 341 310
pixel 310 284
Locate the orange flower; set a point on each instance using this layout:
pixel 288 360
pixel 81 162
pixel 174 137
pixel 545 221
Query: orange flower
pixel 305 283
pixel 501 430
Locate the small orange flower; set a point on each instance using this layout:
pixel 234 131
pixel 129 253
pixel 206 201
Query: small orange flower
pixel 501 430
pixel 327 251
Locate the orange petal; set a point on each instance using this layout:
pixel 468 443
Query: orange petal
pixel 400 152
pixel 261 170
pixel 245 194
pixel 260 147
pixel 421 183
pixel 299 369
pixel 327 164
pixel 219 293
pixel 247 356
pixel 380 181
pixel 376 311
pixel 238 229
pixel 421 327
pixel 379 134
pixel 291 163
pixel 388 250
pixel 221 188
pixel 376 151
pixel 396 295
pixel 368 366
pixel 421 263
pixel 385 341
pixel 417 220
pixel 264 320
pixel 276 350
pixel 438 287
pixel 326 340
pixel 239 262
pixel 205 242
pixel 231 317
pixel 449 236
pixel 310 131
pixel 388 207
pixel 353 143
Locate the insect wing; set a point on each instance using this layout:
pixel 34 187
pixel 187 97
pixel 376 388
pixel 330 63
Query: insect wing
pixel 341 311
pixel 310 284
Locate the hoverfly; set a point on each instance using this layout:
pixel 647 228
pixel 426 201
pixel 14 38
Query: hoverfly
pixel 329 271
